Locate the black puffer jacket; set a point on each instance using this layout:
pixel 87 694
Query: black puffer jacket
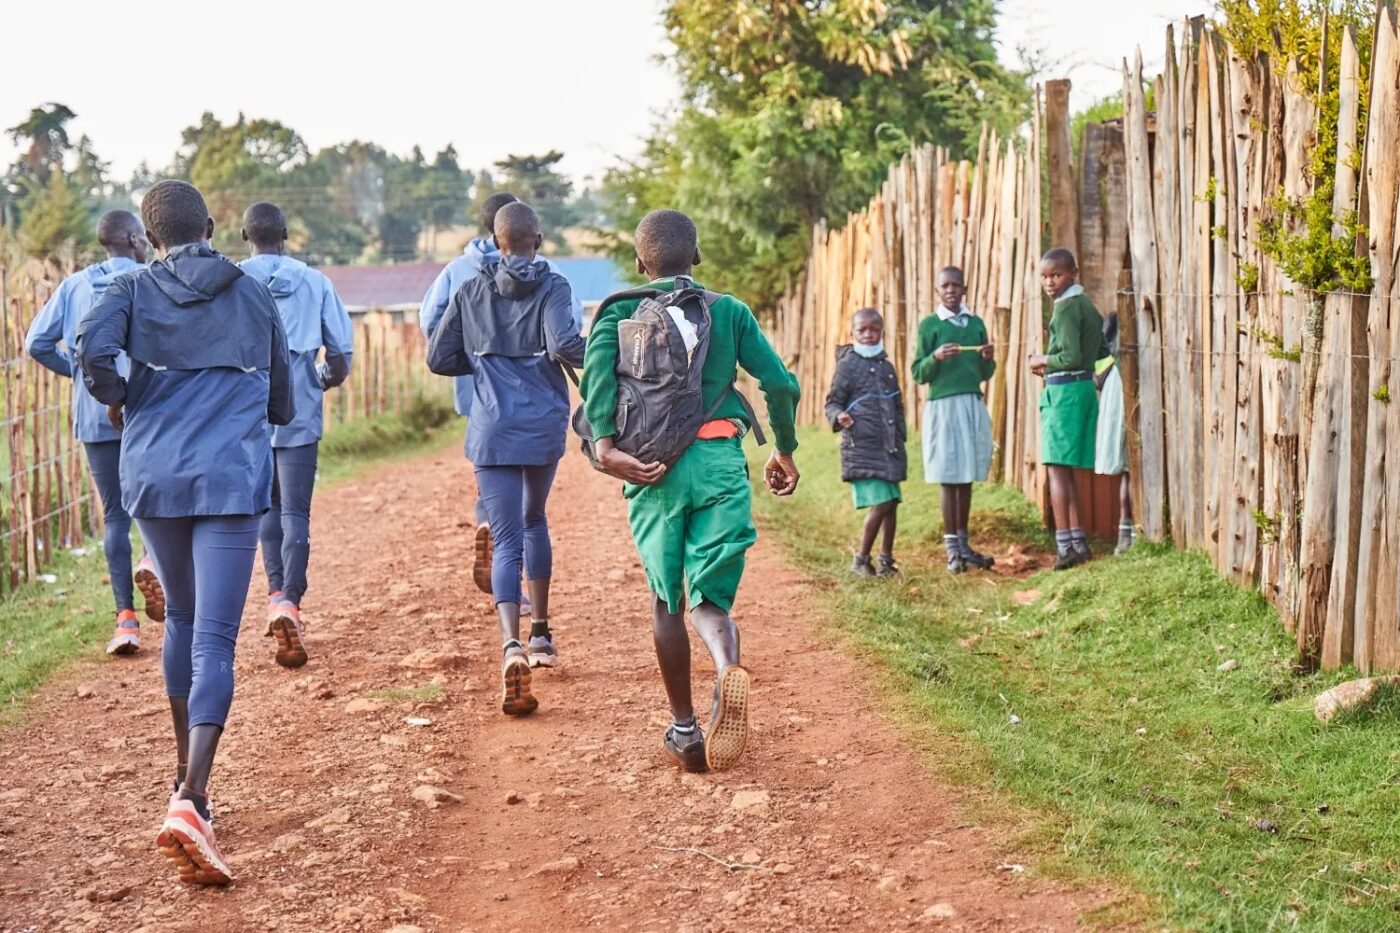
pixel 869 389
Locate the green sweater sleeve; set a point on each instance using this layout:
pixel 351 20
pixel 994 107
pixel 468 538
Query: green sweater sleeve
pixel 780 389
pixel 926 365
pixel 598 384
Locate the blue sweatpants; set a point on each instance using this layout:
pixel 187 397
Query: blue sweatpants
pixel 104 463
pixel 286 527
pixel 514 498
pixel 205 564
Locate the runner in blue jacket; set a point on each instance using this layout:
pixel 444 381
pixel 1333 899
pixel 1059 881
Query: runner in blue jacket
pixel 209 372
pixel 314 319
pixel 50 341
pixel 480 252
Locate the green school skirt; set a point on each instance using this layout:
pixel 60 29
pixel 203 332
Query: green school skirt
pixel 868 492
pixel 693 528
pixel 1069 415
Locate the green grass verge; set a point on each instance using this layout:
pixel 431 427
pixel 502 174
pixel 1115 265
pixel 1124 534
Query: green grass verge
pixel 1097 714
pixel 43 626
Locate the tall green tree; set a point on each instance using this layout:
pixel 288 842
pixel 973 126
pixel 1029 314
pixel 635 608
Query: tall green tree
pixel 46 131
pixel 791 112
pixel 56 216
pixel 536 180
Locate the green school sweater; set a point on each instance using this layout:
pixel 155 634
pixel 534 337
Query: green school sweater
pixel 735 340
pixel 1076 336
pixel 962 375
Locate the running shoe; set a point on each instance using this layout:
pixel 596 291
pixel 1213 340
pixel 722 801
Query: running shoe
pixel 187 840
pixel 1069 560
pixel 516 698
pixel 886 567
pixel 542 652
pixel 127 638
pixel 1082 549
pixel 729 722
pixel 687 751
pixel 284 624
pixel 979 560
pixel 208 801
pixel 149 585
pixel 861 566
pixel 481 563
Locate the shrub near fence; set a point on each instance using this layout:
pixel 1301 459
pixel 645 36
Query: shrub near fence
pixel 47 501
pixel 1259 415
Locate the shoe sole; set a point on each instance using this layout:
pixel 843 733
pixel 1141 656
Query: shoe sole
pixel 517 700
pixel 729 733
pixel 149 585
pixel 192 857
pixel 291 652
pixel 124 645
pixel 481 566
pixel 544 660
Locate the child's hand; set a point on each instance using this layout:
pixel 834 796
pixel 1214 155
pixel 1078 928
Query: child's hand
pixel 627 467
pixel 948 351
pixel 845 421
pixel 1038 363
pixel 989 352
pixel 780 474
pixel 116 416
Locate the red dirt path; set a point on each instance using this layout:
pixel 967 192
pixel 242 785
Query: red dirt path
pixel 570 818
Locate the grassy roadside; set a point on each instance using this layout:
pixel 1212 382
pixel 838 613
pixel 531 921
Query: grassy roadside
pixel 44 626
pixel 1094 706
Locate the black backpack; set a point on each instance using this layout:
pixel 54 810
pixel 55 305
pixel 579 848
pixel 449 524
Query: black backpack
pixel 658 390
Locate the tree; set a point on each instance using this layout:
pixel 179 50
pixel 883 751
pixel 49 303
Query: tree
pixel 46 130
pixel 792 111
pixel 54 217
pixel 535 180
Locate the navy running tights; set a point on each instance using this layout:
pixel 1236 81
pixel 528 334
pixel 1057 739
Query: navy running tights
pixel 205 564
pixel 104 463
pixel 286 527
pixel 514 498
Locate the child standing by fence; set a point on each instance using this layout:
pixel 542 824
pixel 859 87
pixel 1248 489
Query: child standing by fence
pixel 1111 446
pixel 51 341
pixel 954 358
pixel 866 406
pixel 314 319
pixel 209 371
pixel 1069 404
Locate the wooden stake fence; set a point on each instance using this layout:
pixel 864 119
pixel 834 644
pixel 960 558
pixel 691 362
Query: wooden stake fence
pixel 1259 415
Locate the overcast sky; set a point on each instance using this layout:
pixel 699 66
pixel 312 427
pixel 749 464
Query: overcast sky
pixel 491 78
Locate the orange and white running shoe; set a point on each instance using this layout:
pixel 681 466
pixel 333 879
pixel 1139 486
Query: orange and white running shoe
pixel 149 585
pixel 127 637
pixel 187 840
pixel 284 624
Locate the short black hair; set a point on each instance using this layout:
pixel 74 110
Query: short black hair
pixel 1060 257
pixel 113 228
pixel 265 224
pixel 962 276
pixel 491 206
pixel 175 213
pixel 867 312
pixel 665 242
pixel 517 228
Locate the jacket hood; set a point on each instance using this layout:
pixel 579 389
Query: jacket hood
pixel 515 277
pixel 282 275
pixel 194 273
pixel 103 273
pixel 482 250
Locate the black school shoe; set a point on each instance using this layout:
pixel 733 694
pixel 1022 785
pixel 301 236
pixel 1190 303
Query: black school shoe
pixel 887 567
pixel 979 560
pixel 861 566
pixel 687 751
pixel 1070 559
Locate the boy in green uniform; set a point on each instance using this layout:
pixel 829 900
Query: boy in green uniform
pixel 692 522
pixel 1069 403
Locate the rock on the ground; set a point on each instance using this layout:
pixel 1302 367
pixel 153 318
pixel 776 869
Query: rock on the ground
pixel 434 797
pixel 749 799
pixel 940 911
pixel 558 866
pixel 364 705
pixel 1227 666
pixel 1351 695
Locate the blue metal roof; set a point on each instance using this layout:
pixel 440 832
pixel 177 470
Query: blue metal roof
pixel 592 278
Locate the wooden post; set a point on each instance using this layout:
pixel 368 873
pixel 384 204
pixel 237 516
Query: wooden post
pixel 1064 216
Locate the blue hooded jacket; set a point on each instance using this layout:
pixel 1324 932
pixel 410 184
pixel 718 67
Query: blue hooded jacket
pixel 58 323
pixel 512 326
pixel 313 317
pixel 209 371
pixel 479 252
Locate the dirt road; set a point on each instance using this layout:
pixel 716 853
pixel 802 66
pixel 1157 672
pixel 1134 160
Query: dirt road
pixel 570 818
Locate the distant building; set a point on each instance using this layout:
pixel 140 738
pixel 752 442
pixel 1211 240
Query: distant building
pixel 399 289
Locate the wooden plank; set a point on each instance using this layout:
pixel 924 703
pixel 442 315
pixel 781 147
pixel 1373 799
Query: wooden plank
pixel 1064 220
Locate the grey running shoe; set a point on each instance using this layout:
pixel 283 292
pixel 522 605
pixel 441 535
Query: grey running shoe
pixel 956 564
pixel 516 698
pixel 687 751
pixel 886 567
pixel 542 651
pixel 862 567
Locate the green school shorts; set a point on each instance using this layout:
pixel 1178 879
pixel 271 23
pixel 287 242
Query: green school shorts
pixel 868 492
pixel 1069 416
pixel 694 527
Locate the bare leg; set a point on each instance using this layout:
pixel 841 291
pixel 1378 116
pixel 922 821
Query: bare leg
pixel 873 521
pixel 539 598
pixel 719 633
pixel 952 505
pixel 1125 500
pixel 1064 502
pixel 891 519
pixel 964 505
pixel 673 657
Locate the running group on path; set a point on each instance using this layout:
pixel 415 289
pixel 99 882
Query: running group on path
pixel 198 397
